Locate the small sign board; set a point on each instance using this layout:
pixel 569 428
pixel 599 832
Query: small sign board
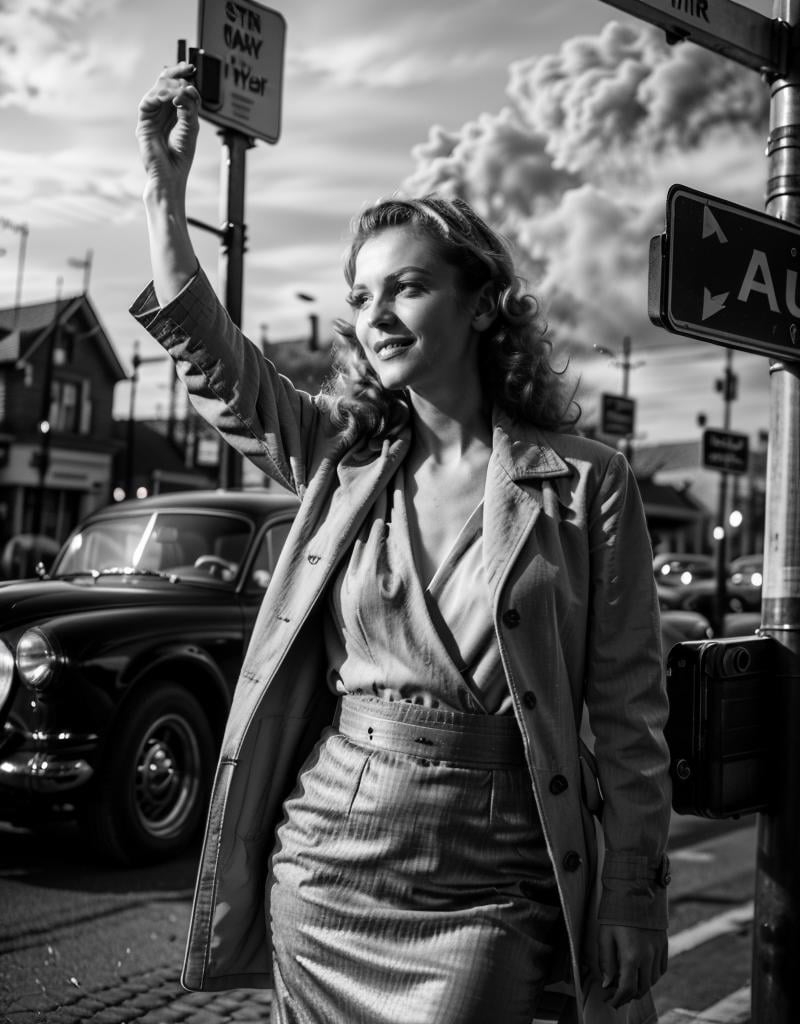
pixel 735 31
pixel 726 274
pixel 248 39
pixel 726 451
pixel 618 413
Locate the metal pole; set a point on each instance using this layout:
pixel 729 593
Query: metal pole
pixel 45 426
pixel 231 271
pixel 131 439
pixel 776 940
pixel 721 590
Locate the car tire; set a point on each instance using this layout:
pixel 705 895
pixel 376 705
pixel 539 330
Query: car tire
pixel 151 788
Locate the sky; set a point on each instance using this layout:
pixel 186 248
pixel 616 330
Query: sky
pixel 563 121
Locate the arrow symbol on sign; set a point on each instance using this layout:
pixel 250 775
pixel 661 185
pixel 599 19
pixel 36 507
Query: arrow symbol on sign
pixel 713 303
pixel 711 225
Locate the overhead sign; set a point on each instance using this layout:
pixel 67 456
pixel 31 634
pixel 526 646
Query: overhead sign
pixel 248 39
pixel 726 274
pixel 728 28
pixel 618 413
pixel 725 451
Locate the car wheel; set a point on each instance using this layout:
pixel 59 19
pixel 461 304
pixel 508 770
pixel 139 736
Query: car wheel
pixel 151 788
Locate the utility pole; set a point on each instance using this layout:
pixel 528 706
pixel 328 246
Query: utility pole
pixel 23 232
pixel 626 365
pixel 776 932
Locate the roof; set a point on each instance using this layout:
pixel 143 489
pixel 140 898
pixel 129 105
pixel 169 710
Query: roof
pixel 682 455
pixel 34 323
pixel 257 500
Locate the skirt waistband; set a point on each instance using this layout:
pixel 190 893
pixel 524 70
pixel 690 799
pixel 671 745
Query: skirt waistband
pixel 436 734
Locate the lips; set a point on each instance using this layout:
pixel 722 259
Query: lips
pixel 392 346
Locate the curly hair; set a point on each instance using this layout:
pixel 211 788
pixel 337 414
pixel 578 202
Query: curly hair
pixel 513 353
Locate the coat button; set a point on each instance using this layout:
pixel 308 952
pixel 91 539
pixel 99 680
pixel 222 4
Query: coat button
pixel 529 699
pixel 572 860
pixel 511 618
pixel 558 784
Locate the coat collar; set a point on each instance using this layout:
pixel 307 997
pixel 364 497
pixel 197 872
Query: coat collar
pixel 523 450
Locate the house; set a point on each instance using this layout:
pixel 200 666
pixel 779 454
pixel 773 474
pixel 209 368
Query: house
pixel 58 371
pixel 678 467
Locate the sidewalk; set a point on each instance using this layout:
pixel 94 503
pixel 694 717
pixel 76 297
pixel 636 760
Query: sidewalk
pixel 733 1009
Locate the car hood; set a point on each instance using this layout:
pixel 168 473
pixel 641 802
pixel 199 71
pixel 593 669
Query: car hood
pixel 29 600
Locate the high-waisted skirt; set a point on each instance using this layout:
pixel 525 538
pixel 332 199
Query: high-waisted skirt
pixel 410 882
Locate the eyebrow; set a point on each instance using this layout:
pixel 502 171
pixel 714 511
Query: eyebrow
pixel 409 268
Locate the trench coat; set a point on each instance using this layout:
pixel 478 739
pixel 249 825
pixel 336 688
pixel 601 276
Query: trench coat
pixel 568 562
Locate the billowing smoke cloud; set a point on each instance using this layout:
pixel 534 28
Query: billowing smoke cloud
pixel 576 168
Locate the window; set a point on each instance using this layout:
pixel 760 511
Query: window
pixel 65 406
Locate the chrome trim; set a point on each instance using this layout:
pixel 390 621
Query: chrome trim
pixel 44 773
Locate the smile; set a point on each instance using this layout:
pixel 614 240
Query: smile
pixel 390 348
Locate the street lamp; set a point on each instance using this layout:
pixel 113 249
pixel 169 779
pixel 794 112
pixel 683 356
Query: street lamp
pixel 136 362
pixel 313 320
pixel 86 266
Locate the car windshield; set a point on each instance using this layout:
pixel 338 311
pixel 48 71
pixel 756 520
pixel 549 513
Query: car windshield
pixel 182 543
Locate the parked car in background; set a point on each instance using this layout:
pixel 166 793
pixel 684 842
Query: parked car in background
pixel 747 570
pixel 675 570
pixel 117 668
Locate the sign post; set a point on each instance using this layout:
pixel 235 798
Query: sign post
pixel 240 75
pixel 776 931
pixel 758 284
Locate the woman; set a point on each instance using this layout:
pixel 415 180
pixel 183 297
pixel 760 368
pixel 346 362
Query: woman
pixel 462 582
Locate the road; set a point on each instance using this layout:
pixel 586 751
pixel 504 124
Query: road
pixel 84 944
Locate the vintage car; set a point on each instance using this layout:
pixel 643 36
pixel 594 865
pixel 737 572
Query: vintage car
pixel 117 667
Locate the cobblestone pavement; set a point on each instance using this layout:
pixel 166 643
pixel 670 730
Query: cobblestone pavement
pixel 153 997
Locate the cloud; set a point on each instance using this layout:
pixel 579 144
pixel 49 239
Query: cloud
pixel 62 57
pixel 575 169
pixel 72 184
pixel 382 60
pixel 606 101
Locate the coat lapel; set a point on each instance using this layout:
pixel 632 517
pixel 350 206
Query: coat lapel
pixel 520 455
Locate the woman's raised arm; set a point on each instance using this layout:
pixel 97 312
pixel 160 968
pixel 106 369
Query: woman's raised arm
pixel 167 134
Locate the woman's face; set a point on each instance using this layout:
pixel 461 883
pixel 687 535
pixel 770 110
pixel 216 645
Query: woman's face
pixel 413 318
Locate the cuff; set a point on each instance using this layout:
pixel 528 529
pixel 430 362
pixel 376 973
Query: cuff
pixel 634 891
pixel 145 307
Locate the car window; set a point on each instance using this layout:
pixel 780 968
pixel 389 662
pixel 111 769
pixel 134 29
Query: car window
pixel 186 543
pixel 266 556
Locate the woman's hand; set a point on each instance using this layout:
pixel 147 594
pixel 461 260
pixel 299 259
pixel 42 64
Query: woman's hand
pixel 631 960
pixel 167 134
pixel 167 131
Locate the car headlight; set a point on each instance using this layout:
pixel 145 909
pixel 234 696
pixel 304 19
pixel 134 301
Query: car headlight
pixel 6 671
pixel 36 659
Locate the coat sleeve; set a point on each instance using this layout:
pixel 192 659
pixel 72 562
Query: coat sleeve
pixel 627 704
pixel 233 386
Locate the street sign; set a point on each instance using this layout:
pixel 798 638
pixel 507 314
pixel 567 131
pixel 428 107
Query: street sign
pixel 726 451
pixel 248 40
pixel 726 274
pixel 617 415
pixel 728 28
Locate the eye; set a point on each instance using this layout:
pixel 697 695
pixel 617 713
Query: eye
pixel 357 300
pixel 409 286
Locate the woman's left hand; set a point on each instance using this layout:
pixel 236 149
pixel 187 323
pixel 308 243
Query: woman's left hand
pixel 631 961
